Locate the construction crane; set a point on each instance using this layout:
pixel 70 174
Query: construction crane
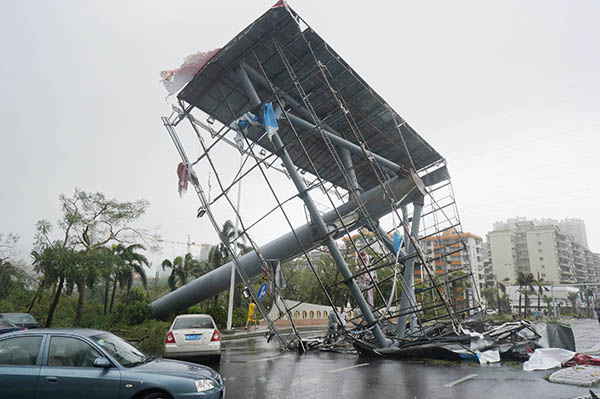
pixel 189 243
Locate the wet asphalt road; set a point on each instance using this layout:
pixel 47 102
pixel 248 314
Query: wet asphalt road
pixel 254 369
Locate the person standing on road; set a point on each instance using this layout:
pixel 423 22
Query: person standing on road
pixel 332 323
pixel 251 315
pixel 598 314
pixel 342 316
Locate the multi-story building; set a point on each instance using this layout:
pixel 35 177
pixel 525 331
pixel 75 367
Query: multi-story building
pixel 579 262
pixel 543 248
pixel 486 255
pixel 449 254
pixel 564 252
pixel 574 227
pixel 503 255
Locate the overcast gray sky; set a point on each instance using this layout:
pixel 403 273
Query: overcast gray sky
pixel 507 91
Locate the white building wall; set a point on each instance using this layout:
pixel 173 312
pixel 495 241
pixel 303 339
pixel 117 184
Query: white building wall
pixel 543 257
pixel 502 252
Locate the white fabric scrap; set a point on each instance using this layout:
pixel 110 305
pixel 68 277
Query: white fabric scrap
pixel 491 356
pixel 175 79
pixel 547 358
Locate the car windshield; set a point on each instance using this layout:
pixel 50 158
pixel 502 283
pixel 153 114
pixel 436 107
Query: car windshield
pixel 5 323
pixel 19 318
pixel 193 322
pixel 123 352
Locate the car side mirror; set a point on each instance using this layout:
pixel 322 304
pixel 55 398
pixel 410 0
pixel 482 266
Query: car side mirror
pixel 102 362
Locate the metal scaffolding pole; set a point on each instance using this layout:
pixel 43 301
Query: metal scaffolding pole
pixel 232 283
pixel 317 219
pixel 408 300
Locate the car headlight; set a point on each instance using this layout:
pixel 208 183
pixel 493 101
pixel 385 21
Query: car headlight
pixel 204 385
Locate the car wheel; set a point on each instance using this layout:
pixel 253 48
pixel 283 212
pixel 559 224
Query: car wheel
pixel 157 395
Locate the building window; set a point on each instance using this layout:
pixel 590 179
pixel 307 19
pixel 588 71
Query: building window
pixel 541 258
pixel 539 243
pixel 304 314
pixel 296 315
pixel 311 315
pixel 318 314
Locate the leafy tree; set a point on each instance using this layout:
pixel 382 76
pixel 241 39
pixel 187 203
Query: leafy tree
pixel 56 263
pixel 134 307
pixel 490 296
pixel 10 272
pixel 11 275
pixel 8 244
pixel 89 221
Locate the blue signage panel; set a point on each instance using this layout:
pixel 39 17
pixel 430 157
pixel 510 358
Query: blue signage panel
pixel 262 291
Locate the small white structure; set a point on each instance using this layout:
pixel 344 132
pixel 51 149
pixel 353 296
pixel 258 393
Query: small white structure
pixel 561 296
pixel 302 311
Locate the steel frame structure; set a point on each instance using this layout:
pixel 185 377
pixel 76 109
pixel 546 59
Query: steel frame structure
pixel 418 195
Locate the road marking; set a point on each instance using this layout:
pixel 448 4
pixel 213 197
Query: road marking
pixel 348 368
pixel 463 379
pixel 264 360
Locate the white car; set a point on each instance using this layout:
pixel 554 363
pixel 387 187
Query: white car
pixel 193 336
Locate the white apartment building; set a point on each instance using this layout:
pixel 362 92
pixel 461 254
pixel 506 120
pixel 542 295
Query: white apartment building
pixel 542 248
pixel 529 248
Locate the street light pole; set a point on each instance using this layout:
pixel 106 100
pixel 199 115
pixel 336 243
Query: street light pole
pixel 232 283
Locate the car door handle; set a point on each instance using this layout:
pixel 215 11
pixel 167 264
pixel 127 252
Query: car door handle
pixel 52 379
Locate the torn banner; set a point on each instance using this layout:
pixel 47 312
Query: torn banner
pixel 175 79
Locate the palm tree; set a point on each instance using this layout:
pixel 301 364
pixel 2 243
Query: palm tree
pixel 541 289
pixel 525 282
pixel 548 302
pixel 218 254
pixel 131 262
pixel 500 287
pixel 181 269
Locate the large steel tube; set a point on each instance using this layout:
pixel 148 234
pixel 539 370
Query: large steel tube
pixel 287 246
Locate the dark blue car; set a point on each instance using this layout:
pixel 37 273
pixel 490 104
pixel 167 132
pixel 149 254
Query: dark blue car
pixel 94 364
pixel 6 326
pixel 24 320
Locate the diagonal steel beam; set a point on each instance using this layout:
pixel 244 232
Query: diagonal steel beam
pixel 317 219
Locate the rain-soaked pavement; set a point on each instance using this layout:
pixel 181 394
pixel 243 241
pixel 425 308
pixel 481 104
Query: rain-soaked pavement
pixel 254 369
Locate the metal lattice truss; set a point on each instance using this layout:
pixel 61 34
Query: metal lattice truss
pixel 326 164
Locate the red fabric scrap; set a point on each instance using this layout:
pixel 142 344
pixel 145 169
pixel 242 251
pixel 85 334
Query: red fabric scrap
pixel 182 173
pixel 580 359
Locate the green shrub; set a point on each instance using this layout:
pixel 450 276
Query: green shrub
pixel 134 307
